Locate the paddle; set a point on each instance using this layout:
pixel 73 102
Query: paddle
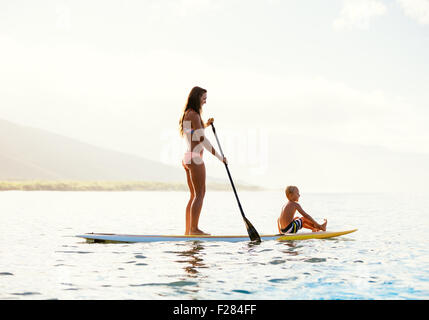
pixel 253 234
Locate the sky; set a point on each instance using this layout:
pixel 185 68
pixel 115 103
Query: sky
pixel 117 74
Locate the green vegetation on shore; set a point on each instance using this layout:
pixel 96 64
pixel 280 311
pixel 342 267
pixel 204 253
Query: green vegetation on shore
pixel 43 185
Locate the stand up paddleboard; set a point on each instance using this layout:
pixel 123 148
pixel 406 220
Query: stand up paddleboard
pixel 121 238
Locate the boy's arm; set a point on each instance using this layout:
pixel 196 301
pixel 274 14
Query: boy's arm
pixel 306 215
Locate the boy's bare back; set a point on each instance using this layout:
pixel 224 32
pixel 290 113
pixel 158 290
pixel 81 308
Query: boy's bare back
pixel 287 214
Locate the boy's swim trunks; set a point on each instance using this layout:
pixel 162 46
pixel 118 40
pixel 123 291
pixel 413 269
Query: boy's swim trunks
pixel 294 226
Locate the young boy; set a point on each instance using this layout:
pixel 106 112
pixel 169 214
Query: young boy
pixel 287 223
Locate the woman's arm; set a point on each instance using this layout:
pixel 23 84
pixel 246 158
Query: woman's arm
pixel 199 135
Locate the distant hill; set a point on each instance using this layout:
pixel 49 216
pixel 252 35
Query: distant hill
pixel 324 166
pixel 33 154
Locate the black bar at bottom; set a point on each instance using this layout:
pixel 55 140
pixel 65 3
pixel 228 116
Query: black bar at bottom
pixel 211 309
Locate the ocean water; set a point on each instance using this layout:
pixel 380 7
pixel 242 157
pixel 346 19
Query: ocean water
pixel 40 257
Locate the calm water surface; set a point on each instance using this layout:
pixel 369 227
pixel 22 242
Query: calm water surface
pixel 41 259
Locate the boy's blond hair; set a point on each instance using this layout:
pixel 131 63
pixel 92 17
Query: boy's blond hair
pixel 289 190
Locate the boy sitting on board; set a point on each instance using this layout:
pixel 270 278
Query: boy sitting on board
pixel 287 223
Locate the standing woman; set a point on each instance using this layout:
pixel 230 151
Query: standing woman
pixel 192 128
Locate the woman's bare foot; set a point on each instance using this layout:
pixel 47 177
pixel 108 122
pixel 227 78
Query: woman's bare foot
pixel 198 232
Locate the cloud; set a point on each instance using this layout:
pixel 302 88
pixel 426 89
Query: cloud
pixel 416 9
pixel 356 14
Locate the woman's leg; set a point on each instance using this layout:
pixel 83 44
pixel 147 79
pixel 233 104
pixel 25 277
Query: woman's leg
pixel 198 180
pixel 191 199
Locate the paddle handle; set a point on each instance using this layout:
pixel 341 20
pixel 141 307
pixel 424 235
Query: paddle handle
pixel 227 170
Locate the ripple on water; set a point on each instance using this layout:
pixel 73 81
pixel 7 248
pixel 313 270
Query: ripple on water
pixel 279 280
pixel 242 291
pixel 315 260
pixel 277 261
pixel 180 283
pixel 25 293
pixel 70 251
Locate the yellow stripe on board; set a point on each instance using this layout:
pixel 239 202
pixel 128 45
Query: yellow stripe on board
pixel 314 235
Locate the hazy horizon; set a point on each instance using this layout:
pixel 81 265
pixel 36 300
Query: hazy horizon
pixel 284 79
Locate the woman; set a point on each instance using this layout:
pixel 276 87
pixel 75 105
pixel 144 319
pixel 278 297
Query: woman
pixel 192 128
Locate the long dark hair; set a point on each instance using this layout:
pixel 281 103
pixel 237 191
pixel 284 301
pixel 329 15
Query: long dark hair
pixel 194 103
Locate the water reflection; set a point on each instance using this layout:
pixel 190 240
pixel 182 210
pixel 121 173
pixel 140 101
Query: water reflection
pixel 253 245
pixel 193 258
pixel 292 248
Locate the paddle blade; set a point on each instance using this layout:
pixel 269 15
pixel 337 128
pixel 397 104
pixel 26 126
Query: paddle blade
pixel 253 234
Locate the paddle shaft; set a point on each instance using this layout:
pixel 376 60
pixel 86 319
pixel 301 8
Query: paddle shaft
pixel 229 174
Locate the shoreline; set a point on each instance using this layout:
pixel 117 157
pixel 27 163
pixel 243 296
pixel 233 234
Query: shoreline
pixel 74 185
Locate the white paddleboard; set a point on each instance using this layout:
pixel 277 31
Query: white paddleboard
pixel 127 238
